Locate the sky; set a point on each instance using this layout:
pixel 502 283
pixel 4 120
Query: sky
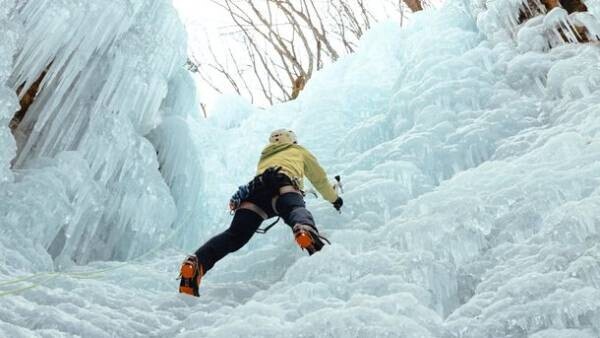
pixel 202 20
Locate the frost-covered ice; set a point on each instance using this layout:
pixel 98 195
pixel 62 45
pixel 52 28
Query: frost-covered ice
pixel 468 146
pixel 86 184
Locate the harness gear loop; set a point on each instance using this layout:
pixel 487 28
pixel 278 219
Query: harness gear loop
pixel 267 228
pixel 255 208
pixel 283 190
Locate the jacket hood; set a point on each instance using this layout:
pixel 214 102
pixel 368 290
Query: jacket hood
pixel 274 149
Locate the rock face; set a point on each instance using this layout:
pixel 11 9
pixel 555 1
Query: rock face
pixel 27 97
pixel 573 6
pixel 534 8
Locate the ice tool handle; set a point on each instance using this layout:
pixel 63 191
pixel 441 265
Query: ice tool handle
pixel 337 186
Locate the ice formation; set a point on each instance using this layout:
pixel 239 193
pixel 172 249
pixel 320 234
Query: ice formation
pixel 467 143
pixel 86 184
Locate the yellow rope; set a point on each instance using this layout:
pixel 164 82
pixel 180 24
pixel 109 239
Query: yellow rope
pixel 32 286
pixel 78 275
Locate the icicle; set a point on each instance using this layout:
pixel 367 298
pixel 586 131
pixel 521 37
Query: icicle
pixel 109 64
pixel 589 22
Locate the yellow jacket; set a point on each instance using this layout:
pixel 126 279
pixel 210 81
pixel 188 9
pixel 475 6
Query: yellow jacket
pixel 296 162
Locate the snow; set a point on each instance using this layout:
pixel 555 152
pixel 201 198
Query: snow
pixel 467 144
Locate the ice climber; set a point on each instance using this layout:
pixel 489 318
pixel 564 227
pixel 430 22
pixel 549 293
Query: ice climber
pixel 275 191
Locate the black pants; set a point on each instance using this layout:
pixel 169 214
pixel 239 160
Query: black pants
pixel 290 206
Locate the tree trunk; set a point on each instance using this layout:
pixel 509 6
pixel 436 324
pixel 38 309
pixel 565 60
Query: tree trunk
pixel 26 101
pixel 414 5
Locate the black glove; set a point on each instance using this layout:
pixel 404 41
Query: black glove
pixel 338 203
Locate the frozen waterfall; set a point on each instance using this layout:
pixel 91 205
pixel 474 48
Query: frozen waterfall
pixel 468 143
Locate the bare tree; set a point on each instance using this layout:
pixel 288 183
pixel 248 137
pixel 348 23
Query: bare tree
pixel 414 5
pixel 284 42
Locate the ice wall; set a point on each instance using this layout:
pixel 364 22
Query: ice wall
pixel 8 99
pixel 181 154
pixel 468 147
pixel 467 143
pixel 86 182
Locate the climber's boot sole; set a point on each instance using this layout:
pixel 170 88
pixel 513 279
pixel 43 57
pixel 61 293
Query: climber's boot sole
pixel 307 238
pixel 190 275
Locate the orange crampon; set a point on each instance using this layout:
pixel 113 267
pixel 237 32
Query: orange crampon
pixel 190 275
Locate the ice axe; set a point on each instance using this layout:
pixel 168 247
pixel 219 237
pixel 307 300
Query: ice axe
pixel 338 184
pixel 339 189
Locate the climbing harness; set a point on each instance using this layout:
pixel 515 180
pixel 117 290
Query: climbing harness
pixel 283 190
pixel 236 199
pixel 264 230
pixel 263 183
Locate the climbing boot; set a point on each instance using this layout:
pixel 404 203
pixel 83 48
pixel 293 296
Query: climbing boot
pixel 308 238
pixel 190 275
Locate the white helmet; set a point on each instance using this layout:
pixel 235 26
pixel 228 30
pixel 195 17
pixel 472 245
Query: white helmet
pixel 283 136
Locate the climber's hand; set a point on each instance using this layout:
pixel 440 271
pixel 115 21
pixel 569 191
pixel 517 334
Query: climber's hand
pixel 338 204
